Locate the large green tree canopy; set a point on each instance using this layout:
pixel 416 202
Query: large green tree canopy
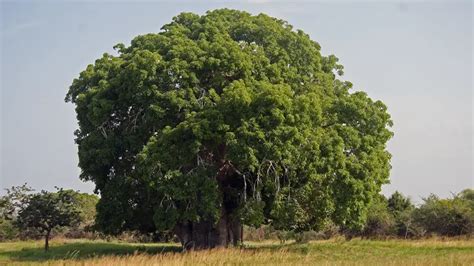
pixel 227 119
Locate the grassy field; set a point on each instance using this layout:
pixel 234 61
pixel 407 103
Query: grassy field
pixel 330 252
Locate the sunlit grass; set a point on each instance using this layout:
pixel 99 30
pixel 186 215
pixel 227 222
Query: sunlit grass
pixel 330 252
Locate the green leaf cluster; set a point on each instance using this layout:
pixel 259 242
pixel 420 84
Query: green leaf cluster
pixel 45 211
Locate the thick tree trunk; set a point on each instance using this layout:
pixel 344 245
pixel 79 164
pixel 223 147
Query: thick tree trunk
pixel 204 235
pixel 228 229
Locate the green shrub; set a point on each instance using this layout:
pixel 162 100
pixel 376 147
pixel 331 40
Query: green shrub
pixel 330 230
pixel 401 208
pixel 447 217
pixel 305 237
pixel 380 222
pixel 7 230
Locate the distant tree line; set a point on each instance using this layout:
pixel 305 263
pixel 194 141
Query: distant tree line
pixel 25 214
pixel 398 216
pixel 394 217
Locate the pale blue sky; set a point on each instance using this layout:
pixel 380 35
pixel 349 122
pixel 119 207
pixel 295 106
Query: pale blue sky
pixel 416 57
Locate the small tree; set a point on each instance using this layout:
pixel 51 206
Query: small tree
pixel 12 201
pixel 402 208
pixel 399 203
pixel 9 205
pixel 46 211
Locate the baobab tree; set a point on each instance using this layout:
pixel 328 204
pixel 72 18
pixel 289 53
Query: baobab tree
pixel 227 119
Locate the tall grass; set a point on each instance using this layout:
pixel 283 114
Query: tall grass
pixel 330 252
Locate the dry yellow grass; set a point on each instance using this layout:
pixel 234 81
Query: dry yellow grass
pixel 331 252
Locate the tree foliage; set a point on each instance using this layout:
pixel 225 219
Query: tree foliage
pixel 223 119
pixel 398 203
pixel 402 208
pixel 10 203
pixel 448 217
pixel 85 203
pixel 46 211
pixel 380 221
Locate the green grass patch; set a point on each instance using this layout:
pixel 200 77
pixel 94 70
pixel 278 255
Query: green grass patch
pixel 79 249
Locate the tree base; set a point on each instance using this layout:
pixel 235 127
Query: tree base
pixel 206 235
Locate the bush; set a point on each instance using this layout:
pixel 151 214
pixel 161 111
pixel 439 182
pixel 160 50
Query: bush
pixel 380 222
pixel 76 232
pixel 330 230
pixel 7 230
pixel 447 217
pixel 401 208
pixel 305 237
pixel 85 203
pixel 263 232
pixel 284 236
